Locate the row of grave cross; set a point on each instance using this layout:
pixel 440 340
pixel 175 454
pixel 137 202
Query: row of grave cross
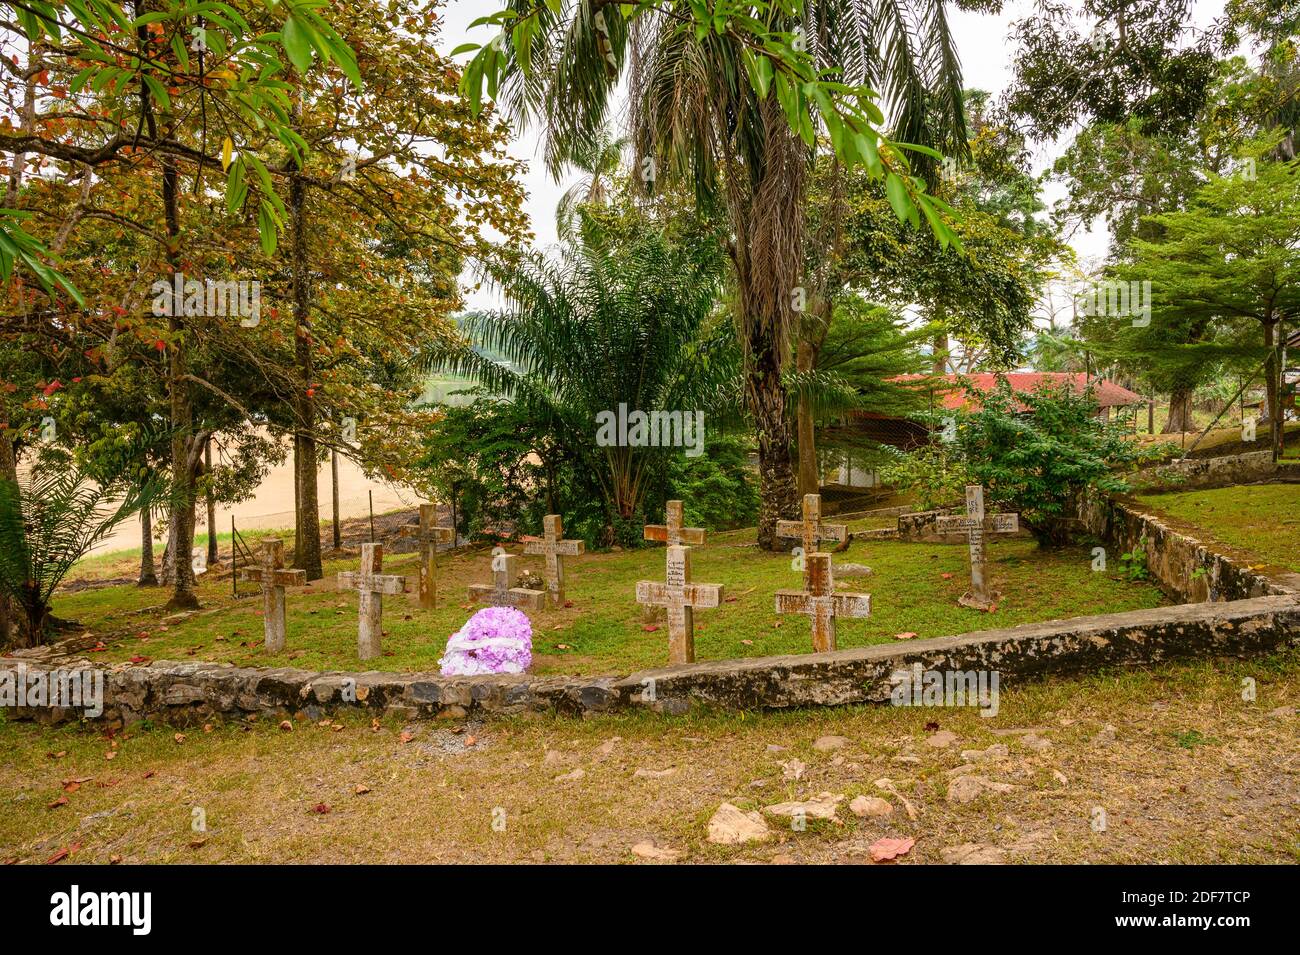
pixel 678 594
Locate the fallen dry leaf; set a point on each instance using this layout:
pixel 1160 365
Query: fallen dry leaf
pixel 61 801
pixel 286 725
pixel 905 636
pixel 63 853
pixel 649 628
pixel 321 809
pixel 886 849
pixel 361 789
pixel 406 737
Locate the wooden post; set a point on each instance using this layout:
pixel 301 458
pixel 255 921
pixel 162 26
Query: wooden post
pixel 976 524
pixel 820 602
pixel 372 586
pixel 672 532
pixel 274 577
pixel 680 596
pixel 500 594
pixel 555 550
pixel 430 535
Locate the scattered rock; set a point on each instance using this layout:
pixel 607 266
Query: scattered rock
pixel 906 759
pixel 648 850
pixel 966 789
pixel 942 739
pixel 773 748
pixel 1035 742
pixel 1283 711
pixel 996 751
pixel 871 806
pixel 607 747
pixel 824 744
pixel 794 769
pixel 821 806
pixel 853 570
pixel 571 777
pixel 654 773
pixel 969 853
pixel 1105 736
pixel 732 826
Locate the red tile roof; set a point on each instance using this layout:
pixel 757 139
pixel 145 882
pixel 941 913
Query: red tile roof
pixel 954 397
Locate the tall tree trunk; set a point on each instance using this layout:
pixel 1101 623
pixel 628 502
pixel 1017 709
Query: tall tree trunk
pixel 184 450
pixel 148 574
pixel 8 472
pixel 210 499
pixel 307 519
pixel 334 493
pixel 766 396
pixel 809 481
pixel 766 206
pixel 1180 410
pixel 1272 387
pixel 940 353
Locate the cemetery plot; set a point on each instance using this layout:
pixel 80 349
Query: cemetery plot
pixel 914 591
pixel 1261 520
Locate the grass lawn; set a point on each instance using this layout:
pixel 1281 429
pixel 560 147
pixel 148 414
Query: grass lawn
pixel 1184 770
pixel 1260 519
pixel 914 589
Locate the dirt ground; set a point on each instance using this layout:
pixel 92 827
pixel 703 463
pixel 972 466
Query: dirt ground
pixel 1163 766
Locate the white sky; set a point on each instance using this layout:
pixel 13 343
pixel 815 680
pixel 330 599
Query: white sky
pixel 983 43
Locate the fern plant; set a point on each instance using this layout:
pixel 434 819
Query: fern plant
pixel 53 517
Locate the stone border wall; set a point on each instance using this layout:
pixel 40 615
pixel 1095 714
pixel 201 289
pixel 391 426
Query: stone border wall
pixel 179 693
pixel 1199 474
pixel 1184 567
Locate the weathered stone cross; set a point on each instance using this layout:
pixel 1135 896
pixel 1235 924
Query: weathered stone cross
pixel 274 577
pixel 680 596
pixel 430 535
pixel 555 550
pixel 673 533
pixel 820 601
pixel 976 524
pixel 372 586
pixel 500 594
pixel 811 529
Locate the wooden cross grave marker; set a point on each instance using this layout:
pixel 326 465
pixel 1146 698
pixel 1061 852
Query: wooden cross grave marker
pixel 680 596
pixel 430 535
pixel 976 524
pixel 811 530
pixel 499 593
pixel 820 601
pixel 555 549
pixel 373 586
pixel 274 577
pixel 673 533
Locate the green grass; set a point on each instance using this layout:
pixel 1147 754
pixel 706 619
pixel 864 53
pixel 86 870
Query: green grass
pixel 1261 519
pixel 914 589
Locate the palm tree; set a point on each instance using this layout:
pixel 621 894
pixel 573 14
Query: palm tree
pixel 601 161
pixel 695 115
pixel 618 317
pixel 53 518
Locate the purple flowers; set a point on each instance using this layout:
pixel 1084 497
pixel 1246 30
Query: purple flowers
pixel 494 640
